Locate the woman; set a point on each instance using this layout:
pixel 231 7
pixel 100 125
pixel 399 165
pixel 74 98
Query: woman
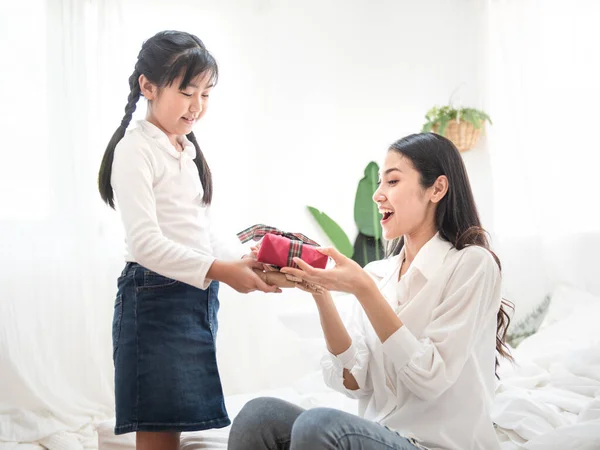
pixel 420 351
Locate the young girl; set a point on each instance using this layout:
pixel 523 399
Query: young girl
pixel 419 353
pixel 165 319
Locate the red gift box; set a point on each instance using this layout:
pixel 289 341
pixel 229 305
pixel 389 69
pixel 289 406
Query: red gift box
pixel 279 251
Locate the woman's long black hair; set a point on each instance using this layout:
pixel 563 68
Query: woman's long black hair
pixel 456 217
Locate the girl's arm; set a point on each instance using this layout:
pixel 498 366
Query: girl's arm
pixel 132 180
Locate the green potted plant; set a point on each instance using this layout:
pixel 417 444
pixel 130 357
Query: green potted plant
pixel 368 245
pixel 462 126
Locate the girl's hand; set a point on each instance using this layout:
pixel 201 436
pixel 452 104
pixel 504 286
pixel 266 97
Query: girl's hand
pixel 253 253
pixel 276 278
pixel 346 276
pixel 282 280
pixel 240 275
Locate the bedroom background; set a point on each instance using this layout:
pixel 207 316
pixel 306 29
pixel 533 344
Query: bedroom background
pixel 329 82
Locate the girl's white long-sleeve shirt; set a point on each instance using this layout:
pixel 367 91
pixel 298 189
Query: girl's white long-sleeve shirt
pixel 159 196
pixel 434 379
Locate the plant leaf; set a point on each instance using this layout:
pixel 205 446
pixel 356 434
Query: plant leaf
pixel 334 232
pixel 443 125
pixel 366 215
pixel 367 249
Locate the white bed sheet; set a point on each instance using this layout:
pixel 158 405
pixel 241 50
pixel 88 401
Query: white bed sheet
pixel 550 400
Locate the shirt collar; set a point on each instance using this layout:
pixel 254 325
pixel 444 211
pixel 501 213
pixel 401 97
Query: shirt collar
pixel 431 256
pixel 161 138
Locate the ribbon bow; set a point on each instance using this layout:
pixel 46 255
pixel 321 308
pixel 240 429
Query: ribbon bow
pixel 297 240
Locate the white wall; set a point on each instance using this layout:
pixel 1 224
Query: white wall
pixel 309 93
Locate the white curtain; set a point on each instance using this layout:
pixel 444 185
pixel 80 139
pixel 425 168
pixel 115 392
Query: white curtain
pixel 543 95
pixel 56 370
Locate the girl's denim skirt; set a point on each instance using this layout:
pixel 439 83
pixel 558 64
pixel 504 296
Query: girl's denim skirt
pixel 166 375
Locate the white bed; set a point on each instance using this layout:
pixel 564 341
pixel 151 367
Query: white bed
pixel 550 400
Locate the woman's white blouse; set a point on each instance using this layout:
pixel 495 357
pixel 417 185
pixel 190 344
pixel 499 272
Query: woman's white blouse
pixel 434 378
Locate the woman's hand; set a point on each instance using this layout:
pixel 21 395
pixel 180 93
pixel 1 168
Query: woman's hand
pixel 346 276
pixel 317 291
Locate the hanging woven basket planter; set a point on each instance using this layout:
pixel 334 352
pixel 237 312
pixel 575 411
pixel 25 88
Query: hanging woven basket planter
pixel 462 126
pixel 462 134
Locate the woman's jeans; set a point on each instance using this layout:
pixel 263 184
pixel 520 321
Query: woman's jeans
pixel 272 424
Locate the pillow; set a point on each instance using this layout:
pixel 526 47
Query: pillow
pixel 565 301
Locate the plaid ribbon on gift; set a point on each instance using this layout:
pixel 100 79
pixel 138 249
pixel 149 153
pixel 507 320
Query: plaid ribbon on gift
pixel 297 240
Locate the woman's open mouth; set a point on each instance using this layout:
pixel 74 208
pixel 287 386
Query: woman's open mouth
pixel 386 216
